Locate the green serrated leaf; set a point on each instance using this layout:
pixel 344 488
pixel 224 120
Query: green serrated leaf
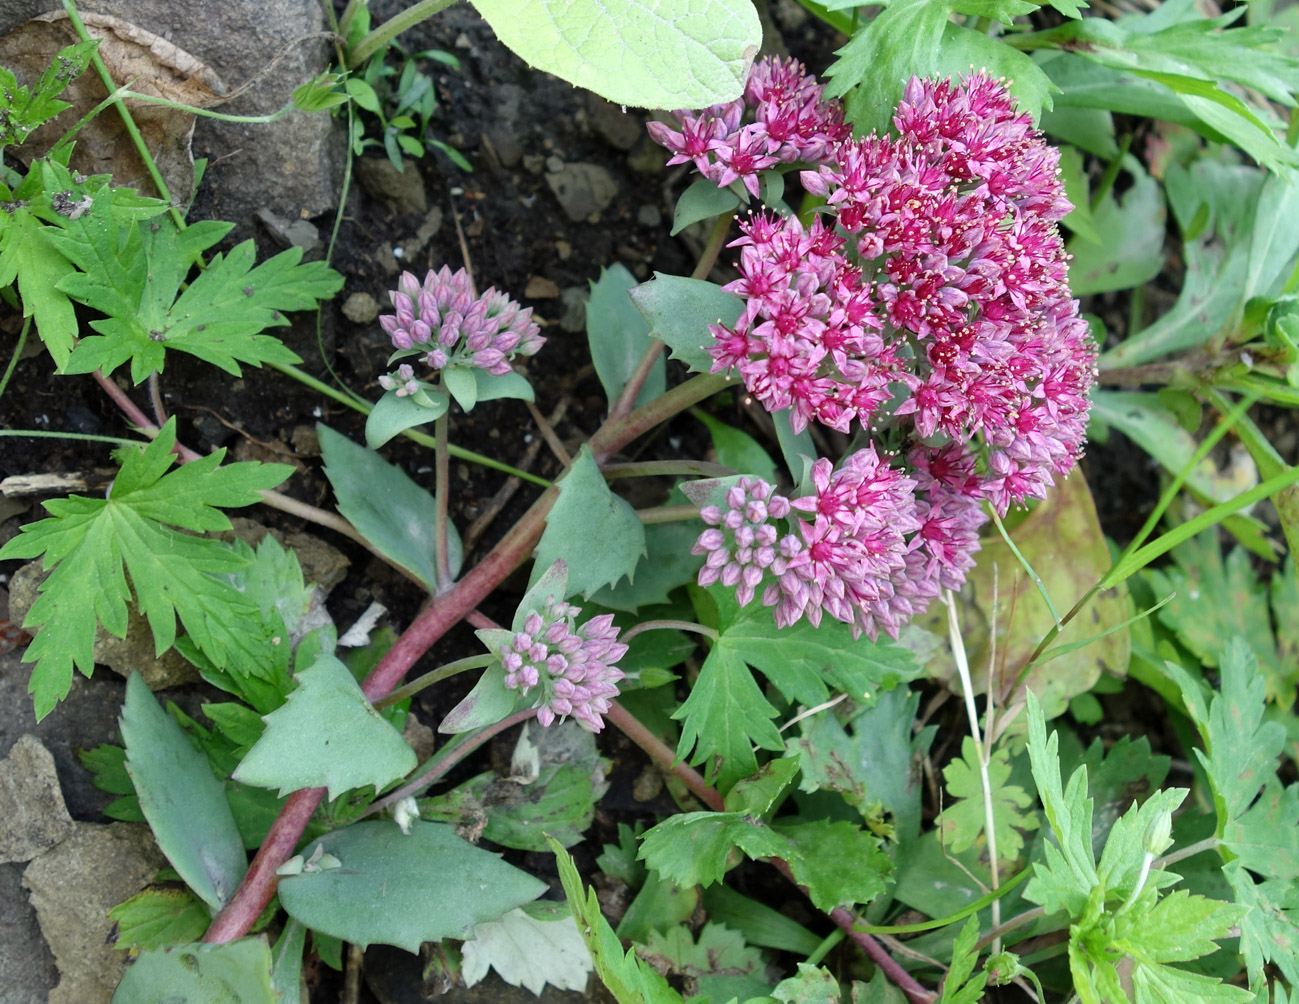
pixel 837 862
pixel 1070 872
pixel 92 543
pixel 181 798
pixel 26 255
pixel 964 820
pixel 679 311
pixel 390 510
pixel 200 974
pixel 811 985
pixel 396 889
pixel 327 735
pixel 871 758
pixel 675 54
pixel 692 848
pixel 618 336
pixel 667 564
pixel 595 531
pixel 720 964
pixel 959 987
pixel 724 717
pixel 1270 930
pixel 218 317
pixel 529 951
pixel 159 916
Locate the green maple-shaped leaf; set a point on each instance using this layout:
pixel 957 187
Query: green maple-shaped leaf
pixel 1270 930
pixel 134 276
pixel 91 545
pixel 1242 747
pixel 691 848
pixel 724 716
pixel 1179 928
pixel 964 821
pixel 838 862
pixel 720 964
pixel 327 735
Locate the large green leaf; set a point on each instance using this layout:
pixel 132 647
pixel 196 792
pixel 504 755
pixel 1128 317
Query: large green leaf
pixel 646 53
pixel 181 798
pixel 396 889
pixel 200 974
pixel 327 735
pixel 595 531
pixel 679 311
pixel 390 510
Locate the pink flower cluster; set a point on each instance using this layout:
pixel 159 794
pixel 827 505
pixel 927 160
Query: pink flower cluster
pixel 929 304
pixel 865 547
pixel 442 320
pixel 788 120
pixel 939 303
pixel 574 667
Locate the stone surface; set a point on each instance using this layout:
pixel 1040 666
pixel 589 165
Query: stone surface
pixel 85 718
pixel 33 816
pixel 135 652
pixel 582 189
pixel 26 966
pixel 291 233
pixel 574 300
pixel 72 887
pixel 619 128
pixel 403 190
pixel 261 50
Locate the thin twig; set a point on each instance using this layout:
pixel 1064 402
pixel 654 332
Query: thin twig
pixel 548 434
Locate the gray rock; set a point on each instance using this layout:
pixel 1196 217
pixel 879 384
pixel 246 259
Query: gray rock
pixel 73 886
pixel 26 966
pixel 649 216
pixel 361 308
pixel 290 233
pixel 262 50
pixel 582 189
pixel 618 128
pixel 574 300
pixel 403 190
pixel 83 719
pixel 122 655
pixel 33 816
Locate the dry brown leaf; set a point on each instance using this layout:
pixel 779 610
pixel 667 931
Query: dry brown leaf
pixel 150 65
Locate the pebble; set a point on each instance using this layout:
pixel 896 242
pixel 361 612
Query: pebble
pixel 582 190
pixel 404 189
pixel 361 308
pixel 649 216
pixel 540 288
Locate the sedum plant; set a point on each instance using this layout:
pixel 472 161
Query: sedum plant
pixel 911 332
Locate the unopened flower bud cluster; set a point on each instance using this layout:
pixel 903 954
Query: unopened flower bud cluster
pixel 442 320
pixel 571 666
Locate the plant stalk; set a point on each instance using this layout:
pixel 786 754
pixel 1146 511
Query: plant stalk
pixel 441 491
pixel 393 27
